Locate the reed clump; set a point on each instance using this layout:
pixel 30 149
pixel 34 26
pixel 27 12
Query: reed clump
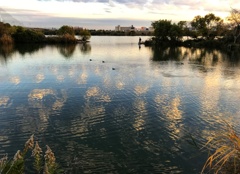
pixel 40 164
pixel 225 157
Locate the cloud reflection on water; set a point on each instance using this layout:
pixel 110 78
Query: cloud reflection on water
pixel 143 105
pixel 39 78
pixel 4 101
pixel 15 80
pixel 139 90
pixel 141 113
pixel 45 102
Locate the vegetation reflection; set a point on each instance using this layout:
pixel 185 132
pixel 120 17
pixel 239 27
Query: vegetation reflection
pixel 67 50
pixel 85 48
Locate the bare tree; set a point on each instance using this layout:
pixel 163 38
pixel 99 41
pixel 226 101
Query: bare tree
pixel 234 19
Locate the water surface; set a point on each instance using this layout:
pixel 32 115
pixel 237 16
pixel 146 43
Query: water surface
pixel 111 106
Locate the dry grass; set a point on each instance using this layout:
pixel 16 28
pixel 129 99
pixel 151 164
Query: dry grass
pixel 226 157
pixel 47 165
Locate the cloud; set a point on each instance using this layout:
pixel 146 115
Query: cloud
pixel 100 1
pixel 129 2
pixel 214 5
pixel 159 5
pixel 42 20
pixel 109 13
pixel 136 3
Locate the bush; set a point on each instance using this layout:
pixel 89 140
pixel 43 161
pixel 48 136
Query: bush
pixel 28 36
pixel 6 39
pixel 67 38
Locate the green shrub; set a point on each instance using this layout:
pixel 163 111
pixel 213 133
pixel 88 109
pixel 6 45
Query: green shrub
pixel 28 36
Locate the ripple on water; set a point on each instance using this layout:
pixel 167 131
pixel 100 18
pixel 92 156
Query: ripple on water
pixel 143 117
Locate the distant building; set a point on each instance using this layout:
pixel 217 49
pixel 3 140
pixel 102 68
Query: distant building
pixel 145 30
pixel 125 29
pixel 78 28
pixel 151 29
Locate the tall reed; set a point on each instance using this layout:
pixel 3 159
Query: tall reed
pixel 40 164
pixel 226 156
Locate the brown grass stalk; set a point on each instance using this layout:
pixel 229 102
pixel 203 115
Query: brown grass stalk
pixel 226 157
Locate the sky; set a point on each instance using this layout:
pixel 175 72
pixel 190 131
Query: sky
pixel 106 14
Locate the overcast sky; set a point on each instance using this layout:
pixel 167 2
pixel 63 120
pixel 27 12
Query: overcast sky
pixel 106 14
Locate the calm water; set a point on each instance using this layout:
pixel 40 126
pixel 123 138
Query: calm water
pixel 136 112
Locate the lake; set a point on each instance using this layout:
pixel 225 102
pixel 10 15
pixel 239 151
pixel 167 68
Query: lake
pixel 110 106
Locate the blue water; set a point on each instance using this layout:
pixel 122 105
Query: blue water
pixel 113 107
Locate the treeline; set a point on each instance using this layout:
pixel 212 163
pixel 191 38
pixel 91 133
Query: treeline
pixel 17 34
pixel 208 30
pixel 120 33
pixel 102 32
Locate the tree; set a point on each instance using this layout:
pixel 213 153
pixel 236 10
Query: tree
pixel 175 32
pixel 85 35
pixel 213 25
pixel 164 30
pixel 66 30
pixel 207 26
pixel 161 29
pixel 234 19
pixel 67 34
pixel 198 23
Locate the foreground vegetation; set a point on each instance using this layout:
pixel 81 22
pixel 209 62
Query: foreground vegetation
pixel 224 153
pixel 40 164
